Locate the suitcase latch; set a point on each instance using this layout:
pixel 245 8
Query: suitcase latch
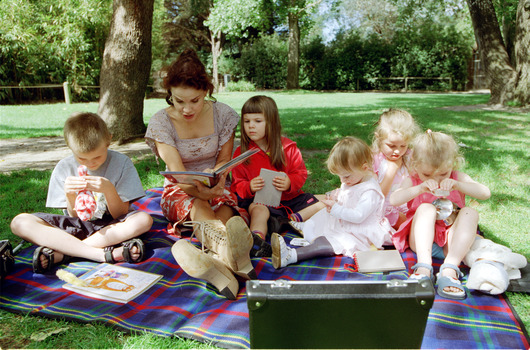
pixel 281 284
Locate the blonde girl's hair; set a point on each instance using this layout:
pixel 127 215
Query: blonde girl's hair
pixel 349 155
pixel 436 150
pixel 84 132
pixel 273 128
pixel 394 121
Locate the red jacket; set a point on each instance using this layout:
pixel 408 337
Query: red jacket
pixel 295 169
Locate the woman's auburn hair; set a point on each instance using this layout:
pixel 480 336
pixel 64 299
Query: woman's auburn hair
pixel 273 129
pixel 187 70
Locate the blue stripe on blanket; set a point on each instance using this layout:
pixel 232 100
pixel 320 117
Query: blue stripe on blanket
pixel 187 307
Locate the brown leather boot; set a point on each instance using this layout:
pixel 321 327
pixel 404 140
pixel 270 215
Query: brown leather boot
pixel 198 264
pixel 232 243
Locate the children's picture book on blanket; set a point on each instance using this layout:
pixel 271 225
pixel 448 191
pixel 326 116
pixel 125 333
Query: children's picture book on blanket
pixel 110 282
pixel 378 261
pixel 208 179
pixel 269 195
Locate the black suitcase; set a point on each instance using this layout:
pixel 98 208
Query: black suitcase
pixel 338 314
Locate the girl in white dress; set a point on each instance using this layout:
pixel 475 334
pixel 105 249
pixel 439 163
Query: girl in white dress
pixel 353 219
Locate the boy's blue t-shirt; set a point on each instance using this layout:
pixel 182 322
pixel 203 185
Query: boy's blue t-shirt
pixel 118 169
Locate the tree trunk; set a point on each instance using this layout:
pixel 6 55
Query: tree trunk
pixel 125 68
pixel 522 50
pixel 293 57
pixel 217 50
pixel 501 75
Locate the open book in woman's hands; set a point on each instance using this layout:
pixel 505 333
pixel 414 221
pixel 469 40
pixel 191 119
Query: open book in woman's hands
pixel 208 179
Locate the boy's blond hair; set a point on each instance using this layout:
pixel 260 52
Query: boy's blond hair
pixel 84 132
pixel 436 150
pixel 349 155
pixel 394 121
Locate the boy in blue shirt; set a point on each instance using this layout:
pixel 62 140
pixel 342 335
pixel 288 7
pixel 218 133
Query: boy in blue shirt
pixel 110 235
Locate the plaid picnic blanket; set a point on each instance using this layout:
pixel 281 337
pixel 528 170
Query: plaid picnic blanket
pixel 187 307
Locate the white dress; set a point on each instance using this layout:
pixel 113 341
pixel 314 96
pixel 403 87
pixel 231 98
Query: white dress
pixel 356 221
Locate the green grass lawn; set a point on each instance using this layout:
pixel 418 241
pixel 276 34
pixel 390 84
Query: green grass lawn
pixel 495 145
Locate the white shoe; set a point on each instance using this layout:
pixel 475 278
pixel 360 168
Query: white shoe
pixel 282 255
pixel 297 226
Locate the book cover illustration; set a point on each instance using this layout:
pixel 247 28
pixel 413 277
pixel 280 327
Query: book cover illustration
pixel 269 195
pixel 112 282
pixel 208 179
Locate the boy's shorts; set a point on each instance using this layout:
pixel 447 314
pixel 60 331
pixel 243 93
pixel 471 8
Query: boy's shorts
pixel 77 227
pixel 286 208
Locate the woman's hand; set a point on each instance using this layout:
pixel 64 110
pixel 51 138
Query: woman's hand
pixel 207 193
pixel 281 183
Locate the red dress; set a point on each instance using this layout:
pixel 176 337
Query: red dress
pixel 401 237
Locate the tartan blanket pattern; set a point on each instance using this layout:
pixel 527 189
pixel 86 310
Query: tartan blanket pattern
pixel 187 307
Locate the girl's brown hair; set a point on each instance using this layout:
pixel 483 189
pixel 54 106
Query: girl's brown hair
pixel 187 70
pixel 436 150
pixel 349 155
pixel 273 131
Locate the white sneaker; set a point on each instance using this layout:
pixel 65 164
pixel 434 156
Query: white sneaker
pixel 297 226
pixel 282 255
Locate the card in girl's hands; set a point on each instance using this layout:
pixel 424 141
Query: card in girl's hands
pixel 269 195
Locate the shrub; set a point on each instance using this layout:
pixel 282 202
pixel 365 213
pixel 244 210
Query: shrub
pixel 241 85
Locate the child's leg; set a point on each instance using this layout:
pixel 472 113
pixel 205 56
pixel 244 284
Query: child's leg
pixel 461 236
pixel 135 225
pixel 311 210
pixel 37 231
pixel 320 247
pixel 282 255
pixel 259 214
pixel 422 235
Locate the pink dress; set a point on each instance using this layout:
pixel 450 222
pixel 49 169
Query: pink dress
pixel 380 166
pixel 400 238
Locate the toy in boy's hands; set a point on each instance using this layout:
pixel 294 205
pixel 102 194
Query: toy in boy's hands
pixel 85 203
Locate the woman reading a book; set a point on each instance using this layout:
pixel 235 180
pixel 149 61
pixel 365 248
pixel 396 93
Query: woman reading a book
pixel 196 133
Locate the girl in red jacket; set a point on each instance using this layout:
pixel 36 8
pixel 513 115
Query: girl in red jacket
pixel 261 128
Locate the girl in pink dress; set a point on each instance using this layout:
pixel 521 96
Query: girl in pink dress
pixel 394 132
pixel 434 160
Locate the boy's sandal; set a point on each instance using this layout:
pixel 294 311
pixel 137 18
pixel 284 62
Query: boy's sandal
pixel 419 276
pixel 126 254
pixel 446 281
pixel 49 255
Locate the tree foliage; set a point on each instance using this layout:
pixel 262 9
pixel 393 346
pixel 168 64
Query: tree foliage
pixel 48 41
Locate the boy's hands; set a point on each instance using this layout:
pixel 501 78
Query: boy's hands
pixel 74 184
